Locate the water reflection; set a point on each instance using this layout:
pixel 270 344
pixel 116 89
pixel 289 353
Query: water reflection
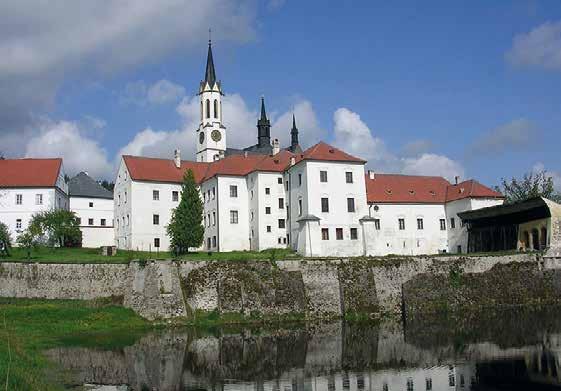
pixel 507 350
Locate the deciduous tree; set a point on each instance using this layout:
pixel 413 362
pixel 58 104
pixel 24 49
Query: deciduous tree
pixel 535 184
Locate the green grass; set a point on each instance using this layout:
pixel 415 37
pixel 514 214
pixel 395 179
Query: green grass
pixel 86 255
pixel 28 327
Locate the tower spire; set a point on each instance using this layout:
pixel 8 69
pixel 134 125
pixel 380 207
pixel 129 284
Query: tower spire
pixel 210 74
pixel 294 144
pixel 263 112
pixel 263 127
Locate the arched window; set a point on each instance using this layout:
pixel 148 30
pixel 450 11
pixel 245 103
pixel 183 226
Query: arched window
pixel 215 108
pixel 526 240
pixel 208 108
pixel 202 114
pixel 543 238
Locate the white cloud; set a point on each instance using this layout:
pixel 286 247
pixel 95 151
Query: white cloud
pixel 309 130
pixel 540 47
pixel 556 176
pixel 162 91
pixel 432 164
pixel 65 139
pixel 416 148
pixel 514 135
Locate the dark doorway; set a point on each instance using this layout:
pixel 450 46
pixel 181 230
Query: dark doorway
pixel 536 239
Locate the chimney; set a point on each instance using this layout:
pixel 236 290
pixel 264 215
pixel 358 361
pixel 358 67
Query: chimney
pixel 276 146
pixel 371 174
pixel 245 154
pixel 292 160
pixel 456 179
pixel 177 158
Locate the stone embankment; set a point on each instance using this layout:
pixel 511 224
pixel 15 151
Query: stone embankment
pixel 308 288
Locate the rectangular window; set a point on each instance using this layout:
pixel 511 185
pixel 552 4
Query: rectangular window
pixel 325 205
pixel 279 180
pixel 175 196
pixel 323 176
pixel 286 186
pixel 351 205
pixel 267 210
pixel 91 204
pixel 325 234
pixel 214 241
pixel 155 195
pixel 420 224
pixel 279 240
pixel 208 219
pixel 213 218
pixel 80 221
pixel 459 249
pixel 267 190
pixel 349 177
pixel 103 222
pixel 204 221
pixel 125 197
pixel 428 382
pixel 19 199
pixel 233 191
pixel 299 179
pixel 18 223
pixel 281 203
pixel 442 224
pixel 233 217
pixel 377 224
pixel 156 219
pixel 300 207
pixel 90 221
pixel 268 228
pixel 339 233
pixel 157 242
pixel 38 199
pixel 354 234
pixel 452 223
pixel 401 224
pixel 208 243
pixel 213 192
pixel 282 223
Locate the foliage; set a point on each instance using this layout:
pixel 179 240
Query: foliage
pixel 185 228
pixel 59 227
pixel 108 185
pixel 5 239
pixel 535 184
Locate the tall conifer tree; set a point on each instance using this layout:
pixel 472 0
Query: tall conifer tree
pixel 185 228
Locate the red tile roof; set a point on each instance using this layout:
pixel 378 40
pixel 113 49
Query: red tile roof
pixel 29 172
pixel 326 152
pixel 470 189
pixel 391 188
pixel 162 170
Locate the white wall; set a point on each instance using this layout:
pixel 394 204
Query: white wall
pixel 101 209
pixel 95 237
pixel 122 202
pixel 277 237
pixel 209 191
pixel 233 236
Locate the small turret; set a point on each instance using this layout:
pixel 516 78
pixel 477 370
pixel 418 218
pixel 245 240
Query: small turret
pixel 263 127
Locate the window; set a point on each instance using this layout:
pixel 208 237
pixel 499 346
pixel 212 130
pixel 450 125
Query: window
pixel 251 216
pixel 233 217
pixel 451 380
pixel 19 199
pixel 420 224
pixel 410 384
pixel 349 177
pixel 286 185
pixel 442 224
pixel 213 218
pixel 300 207
pixel 38 199
pixel 91 204
pixel 279 240
pixel 156 195
pixel 125 197
pixel 18 223
pixel 208 195
pixel 233 191
pixel 175 196
pixel 208 219
pixel 208 243
pixel 156 219
pixel 350 205
pixel 428 382
pixel 90 222
pixel 377 224
pixel 452 223
pixel 267 210
pixel 251 194
pixel 282 223
pixel 268 228
pixel 325 234
pixel 279 180
pixel 339 233
pixel 325 205
pixel 128 220
pixel 119 203
pixel 354 234
pixel 213 192
pixel 80 221
pixel 299 179
pixel 208 113
pixel 459 249
pixel 215 108
pixel 401 224
pixel 157 242
pixel 323 176
pixel 204 221
pixel 281 203
pixel 267 190
pixel 103 222
pixel 214 241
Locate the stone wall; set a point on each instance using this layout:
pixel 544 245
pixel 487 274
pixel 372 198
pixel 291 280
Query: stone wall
pixel 310 288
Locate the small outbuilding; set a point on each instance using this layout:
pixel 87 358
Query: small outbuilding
pixel 534 224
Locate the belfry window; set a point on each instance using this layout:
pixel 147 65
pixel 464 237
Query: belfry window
pixel 208 108
pixel 215 108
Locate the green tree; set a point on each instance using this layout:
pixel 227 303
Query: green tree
pixel 536 184
pixel 29 240
pixel 5 239
pixel 185 228
pixel 59 227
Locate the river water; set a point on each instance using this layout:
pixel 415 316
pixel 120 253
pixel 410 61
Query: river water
pixel 504 350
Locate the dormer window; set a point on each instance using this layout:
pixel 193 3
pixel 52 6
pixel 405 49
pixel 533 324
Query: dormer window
pixel 389 191
pixel 412 192
pixel 432 193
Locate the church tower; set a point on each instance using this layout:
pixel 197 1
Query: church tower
pixel 211 134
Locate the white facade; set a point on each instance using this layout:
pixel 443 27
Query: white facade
pixel 96 220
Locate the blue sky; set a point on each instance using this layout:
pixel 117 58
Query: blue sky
pixel 449 87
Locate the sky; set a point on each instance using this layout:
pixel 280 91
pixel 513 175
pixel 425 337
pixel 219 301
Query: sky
pixel 451 88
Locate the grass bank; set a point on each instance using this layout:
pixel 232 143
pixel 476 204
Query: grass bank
pixel 89 255
pixel 28 327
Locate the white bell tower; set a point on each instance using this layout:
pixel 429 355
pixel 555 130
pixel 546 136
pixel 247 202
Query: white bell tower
pixel 211 134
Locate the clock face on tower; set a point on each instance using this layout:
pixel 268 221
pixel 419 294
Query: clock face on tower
pixel 216 136
pixel 201 137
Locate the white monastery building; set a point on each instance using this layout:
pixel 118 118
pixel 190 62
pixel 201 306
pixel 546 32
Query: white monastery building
pixel 93 205
pixel 318 201
pixel 29 186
